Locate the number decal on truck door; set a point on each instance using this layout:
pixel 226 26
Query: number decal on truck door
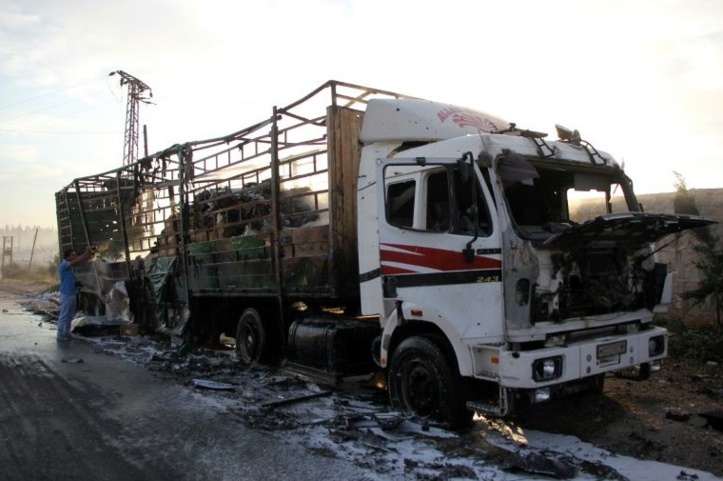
pixel 494 278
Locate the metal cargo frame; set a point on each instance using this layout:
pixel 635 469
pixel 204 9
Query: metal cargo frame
pixel 267 211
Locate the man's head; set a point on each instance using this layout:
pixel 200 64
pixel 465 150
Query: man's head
pixel 69 254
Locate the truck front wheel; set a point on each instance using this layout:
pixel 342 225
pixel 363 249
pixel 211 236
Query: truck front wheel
pixel 422 382
pixel 250 337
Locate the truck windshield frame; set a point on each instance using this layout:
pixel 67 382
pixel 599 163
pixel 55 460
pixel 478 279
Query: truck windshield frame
pixel 546 197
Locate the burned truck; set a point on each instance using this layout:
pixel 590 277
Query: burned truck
pixel 356 230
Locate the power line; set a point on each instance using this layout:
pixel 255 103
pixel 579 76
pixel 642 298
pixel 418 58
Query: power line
pixel 84 132
pixel 20 102
pixel 38 110
pixel 61 116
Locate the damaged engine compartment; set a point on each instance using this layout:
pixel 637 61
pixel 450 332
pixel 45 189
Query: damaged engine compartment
pixel 587 243
pixel 587 282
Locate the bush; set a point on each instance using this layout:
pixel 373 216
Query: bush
pixel 701 344
pixel 47 273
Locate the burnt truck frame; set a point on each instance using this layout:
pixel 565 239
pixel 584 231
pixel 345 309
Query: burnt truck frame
pixel 357 229
pixel 199 229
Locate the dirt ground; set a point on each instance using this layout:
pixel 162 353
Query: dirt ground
pixel 23 287
pixel 657 419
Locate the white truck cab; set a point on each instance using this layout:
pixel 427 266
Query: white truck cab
pixel 501 264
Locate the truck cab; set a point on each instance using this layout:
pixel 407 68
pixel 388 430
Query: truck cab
pixel 503 266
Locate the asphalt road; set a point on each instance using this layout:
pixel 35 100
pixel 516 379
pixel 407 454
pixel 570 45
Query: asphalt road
pixel 120 415
pixel 105 419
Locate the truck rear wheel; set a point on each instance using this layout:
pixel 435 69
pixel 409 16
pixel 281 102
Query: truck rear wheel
pixel 250 337
pixel 422 382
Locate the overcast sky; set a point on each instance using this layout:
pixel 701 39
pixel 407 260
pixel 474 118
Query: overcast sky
pixel 640 79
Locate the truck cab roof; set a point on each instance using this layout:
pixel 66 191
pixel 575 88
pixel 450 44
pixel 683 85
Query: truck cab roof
pixel 387 120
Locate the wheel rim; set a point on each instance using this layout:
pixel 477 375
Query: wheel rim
pixel 420 389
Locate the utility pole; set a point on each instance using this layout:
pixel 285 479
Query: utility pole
pixel 136 94
pixel 7 251
pixel 32 252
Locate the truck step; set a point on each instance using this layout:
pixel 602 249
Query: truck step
pixel 485 408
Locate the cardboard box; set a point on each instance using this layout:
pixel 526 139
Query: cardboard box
pixel 130 329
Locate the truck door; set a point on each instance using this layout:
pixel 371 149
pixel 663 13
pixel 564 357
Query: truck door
pixel 436 252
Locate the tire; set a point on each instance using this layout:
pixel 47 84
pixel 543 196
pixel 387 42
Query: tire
pixel 422 383
pixel 250 337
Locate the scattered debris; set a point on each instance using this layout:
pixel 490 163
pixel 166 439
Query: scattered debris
pixel 284 402
pixel 80 321
pixel 540 463
pixel 713 392
pixel 676 414
pixel 46 304
pixel 130 329
pixel 355 420
pixel 388 420
pixel 185 349
pixel 601 471
pixel 73 360
pixel 684 476
pixel 643 444
pixel 216 386
pixel 699 377
pixel 714 418
pixel 698 421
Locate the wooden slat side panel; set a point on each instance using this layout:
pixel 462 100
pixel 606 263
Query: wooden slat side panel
pixel 344 149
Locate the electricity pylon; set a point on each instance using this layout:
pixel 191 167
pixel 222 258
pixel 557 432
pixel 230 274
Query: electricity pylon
pixel 136 95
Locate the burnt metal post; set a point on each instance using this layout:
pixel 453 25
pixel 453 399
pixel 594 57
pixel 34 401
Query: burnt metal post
pixel 276 214
pixel 123 227
pixel 82 216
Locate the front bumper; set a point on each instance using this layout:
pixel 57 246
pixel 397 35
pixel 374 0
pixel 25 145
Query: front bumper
pixel 581 359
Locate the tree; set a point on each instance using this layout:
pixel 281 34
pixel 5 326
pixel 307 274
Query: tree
pixel 684 203
pixel 710 258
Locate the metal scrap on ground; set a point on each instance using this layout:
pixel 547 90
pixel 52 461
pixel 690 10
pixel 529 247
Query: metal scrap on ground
pixel 73 360
pixel 216 386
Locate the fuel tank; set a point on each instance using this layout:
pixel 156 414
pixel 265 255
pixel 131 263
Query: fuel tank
pixel 332 347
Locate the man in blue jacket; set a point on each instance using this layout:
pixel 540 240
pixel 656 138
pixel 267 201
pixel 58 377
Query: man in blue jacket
pixel 69 289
